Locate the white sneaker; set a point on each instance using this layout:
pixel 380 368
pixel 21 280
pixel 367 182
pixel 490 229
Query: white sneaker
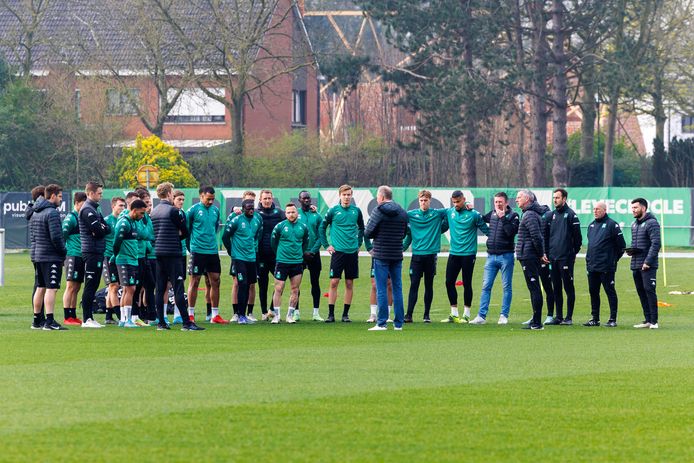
pixel 389 320
pixel 251 318
pixel 503 320
pixel 275 320
pixel 548 320
pixel 527 322
pixel 397 328
pixel 268 316
pixel 642 325
pixel 288 319
pixel 91 323
pixel 654 326
pixel 478 321
pixel 234 318
pixel 372 319
pixel 378 328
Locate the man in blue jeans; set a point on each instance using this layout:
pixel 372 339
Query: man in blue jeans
pixel 503 227
pixel 386 228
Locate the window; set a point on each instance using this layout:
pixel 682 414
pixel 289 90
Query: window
pixel 687 124
pixel 122 103
pixel 298 107
pixel 196 107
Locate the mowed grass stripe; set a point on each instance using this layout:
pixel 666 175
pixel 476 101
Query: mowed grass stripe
pixel 595 417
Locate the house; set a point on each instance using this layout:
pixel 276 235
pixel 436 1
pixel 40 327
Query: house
pixel 128 70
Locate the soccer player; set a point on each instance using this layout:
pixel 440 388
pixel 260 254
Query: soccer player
pixel 346 224
pixel 150 262
pixel 93 229
pixel 425 226
pixel 126 257
pixel 74 265
pixel 312 262
pixel 240 238
pixel 110 272
pixel 48 252
pixel 605 248
pixel 139 306
pixel 645 245
pixel 503 227
pixel 179 198
pixel 235 287
pixel 203 223
pixel 562 242
pixel 463 224
pixel 169 228
pixel 530 248
pixel 266 261
pixel 387 227
pixel 289 241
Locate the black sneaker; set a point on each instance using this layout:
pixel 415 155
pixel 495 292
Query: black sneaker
pixel 192 327
pixel 408 319
pixel 346 319
pixel 163 327
pixel 330 319
pixel 537 327
pixel 426 320
pixel 555 321
pixel 36 325
pixel 592 322
pixel 566 322
pixel 611 323
pixel 527 327
pixel 53 326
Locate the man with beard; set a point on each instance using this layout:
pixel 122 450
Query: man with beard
pixel 645 245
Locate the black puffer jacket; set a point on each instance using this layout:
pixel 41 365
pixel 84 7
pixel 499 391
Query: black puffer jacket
pixel 563 240
pixel 645 237
pixel 46 233
pixel 605 245
pixel 502 231
pixel 530 244
pixel 387 227
pixel 169 229
pixel 27 215
pixel 93 228
pixel 271 216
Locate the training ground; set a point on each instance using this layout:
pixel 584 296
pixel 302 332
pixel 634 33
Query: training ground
pixel 317 392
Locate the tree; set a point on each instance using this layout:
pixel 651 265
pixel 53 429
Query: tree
pixel 235 45
pixel 454 77
pixel 154 152
pixel 26 39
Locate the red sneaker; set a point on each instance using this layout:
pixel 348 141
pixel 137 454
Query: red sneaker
pixel 191 318
pixel 72 321
pixel 219 320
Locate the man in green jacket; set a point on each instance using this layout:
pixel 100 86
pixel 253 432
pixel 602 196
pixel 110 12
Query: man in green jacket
pixel 346 235
pixel 463 224
pixel 289 240
pixel 74 265
pixel 312 262
pixel 110 272
pixel 126 257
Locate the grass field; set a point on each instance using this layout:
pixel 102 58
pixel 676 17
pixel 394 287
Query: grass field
pixel 316 392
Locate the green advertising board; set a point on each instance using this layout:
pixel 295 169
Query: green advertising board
pixel 671 206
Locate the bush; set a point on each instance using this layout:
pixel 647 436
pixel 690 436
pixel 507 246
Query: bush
pixel 152 151
pixel 589 172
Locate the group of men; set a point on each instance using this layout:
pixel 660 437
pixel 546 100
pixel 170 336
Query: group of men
pixel 143 252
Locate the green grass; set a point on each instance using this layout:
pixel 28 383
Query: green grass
pixel 314 392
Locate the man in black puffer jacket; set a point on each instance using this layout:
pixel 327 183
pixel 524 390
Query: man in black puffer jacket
pixel 503 227
pixel 266 260
pixel 48 252
pixel 387 227
pixel 530 248
pixel 37 195
pixel 645 245
pixel 605 247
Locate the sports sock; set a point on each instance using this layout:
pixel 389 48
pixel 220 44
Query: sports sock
pixel 454 311
pixel 277 311
pixel 166 309
pixel 66 311
pixel 345 310
pixel 236 308
pixel 49 317
pixel 296 313
pixel 209 309
pixel 331 310
pixel 316 311
pixel 466 311
pixel 116 311
pixel 291 311
pixel 374 309
pixel 215 311
pixel 191 311
pixel 177 313
pixel 38 318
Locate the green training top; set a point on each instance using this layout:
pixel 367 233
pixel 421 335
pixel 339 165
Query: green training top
pixel 125 243
pixel 346 228
pixel 203 223
pixel 289 241
pixel 111 221
pixel 424 231
pixel 463 226
pixel 71 233
pixel 241 236
pixel 143 238
pixel 150 235
pixel 312 221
